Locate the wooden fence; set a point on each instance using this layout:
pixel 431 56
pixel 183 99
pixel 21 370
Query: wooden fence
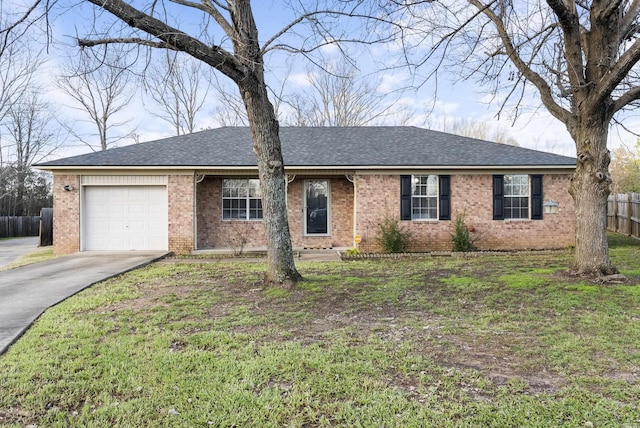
pixel 623 214
pixel 14 226
pixel 21 226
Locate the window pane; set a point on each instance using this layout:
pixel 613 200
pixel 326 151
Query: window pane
pixel 516 196
pixel 516 207
pixel 255 209
pixel 241 199
pixel 424 203
pixel 424 208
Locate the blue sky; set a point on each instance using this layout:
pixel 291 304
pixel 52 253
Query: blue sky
pixel 534 128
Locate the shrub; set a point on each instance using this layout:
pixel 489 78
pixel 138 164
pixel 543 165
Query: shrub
pixel 461 238
pixel 237 238
pixel 392 237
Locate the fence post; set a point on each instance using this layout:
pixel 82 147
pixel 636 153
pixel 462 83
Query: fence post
pixel 630 214
pixel 46 227
pixel 615 212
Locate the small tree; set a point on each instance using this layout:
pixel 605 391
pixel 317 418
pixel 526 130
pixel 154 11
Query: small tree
pixel 392 236
pixel 461 237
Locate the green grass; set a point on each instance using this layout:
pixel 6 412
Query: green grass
pixel 38 255
pixel 481 341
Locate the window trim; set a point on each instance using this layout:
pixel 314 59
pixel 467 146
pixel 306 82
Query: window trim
pixel 246 198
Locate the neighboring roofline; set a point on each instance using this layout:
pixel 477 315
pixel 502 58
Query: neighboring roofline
pixel 303 168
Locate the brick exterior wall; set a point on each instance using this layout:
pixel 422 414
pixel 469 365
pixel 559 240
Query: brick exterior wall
pixel 66 215
pixel 473 195
pixel 375 195
pixel 213 232
pixel 180 194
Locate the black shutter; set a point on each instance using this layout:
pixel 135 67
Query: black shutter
pixel 445 197
pixel 536 197
pixel 405 197
pixel 498 197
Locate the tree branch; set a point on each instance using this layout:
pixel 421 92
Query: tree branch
pixel 543 87
pixel 215 56
pixel 627 98
pixel 573 42
pixel 627 21
pixel 610 9
pixel 565 17
pixel 88 43
pixel 615 75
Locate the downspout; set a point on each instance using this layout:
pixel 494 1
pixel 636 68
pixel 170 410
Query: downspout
pixel 352 180
pixel 288 179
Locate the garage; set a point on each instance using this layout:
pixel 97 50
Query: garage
pixel 125 217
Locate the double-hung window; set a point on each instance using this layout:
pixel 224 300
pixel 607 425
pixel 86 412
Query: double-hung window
pixel 241 199
pixel 517 196
pixel 424 197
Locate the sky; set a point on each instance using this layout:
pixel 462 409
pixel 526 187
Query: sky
pixel 432 103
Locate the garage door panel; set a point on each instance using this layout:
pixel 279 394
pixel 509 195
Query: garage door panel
pixel 125 218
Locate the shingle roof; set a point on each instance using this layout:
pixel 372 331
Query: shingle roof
pixel 389 146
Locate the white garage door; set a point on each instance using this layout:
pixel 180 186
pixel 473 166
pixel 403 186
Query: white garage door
pixel 125 218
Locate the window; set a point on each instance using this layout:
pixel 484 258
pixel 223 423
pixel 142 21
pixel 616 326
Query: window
pixel 424 197
pixel 517 197
pixel 241 199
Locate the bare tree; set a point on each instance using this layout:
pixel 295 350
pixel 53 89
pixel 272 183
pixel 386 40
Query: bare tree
pixel 239 55
pixel 18 68
pixel 338 96
pixel 179 87
pixel 28 139
pixel 100 87
pixel 230 110
pixel 579 57
pixel 482 130
pixel 17 17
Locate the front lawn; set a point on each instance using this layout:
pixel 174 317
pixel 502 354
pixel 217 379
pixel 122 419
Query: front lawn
pixel 483 341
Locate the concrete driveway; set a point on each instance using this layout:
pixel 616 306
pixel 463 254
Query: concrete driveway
pixel 14 248
pixel 26 292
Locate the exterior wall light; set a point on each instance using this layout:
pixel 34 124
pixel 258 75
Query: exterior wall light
pixel 67 187
pixel 550 207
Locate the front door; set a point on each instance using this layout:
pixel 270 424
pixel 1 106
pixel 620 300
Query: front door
pixel 316 203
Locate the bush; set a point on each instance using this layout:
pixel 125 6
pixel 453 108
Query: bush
pixel 461 238
pixel 392 237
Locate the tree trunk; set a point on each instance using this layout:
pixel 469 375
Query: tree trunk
pixel 267 148
pixel 590 188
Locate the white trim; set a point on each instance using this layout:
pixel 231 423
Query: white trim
pixel 352 169
pixel 123 180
